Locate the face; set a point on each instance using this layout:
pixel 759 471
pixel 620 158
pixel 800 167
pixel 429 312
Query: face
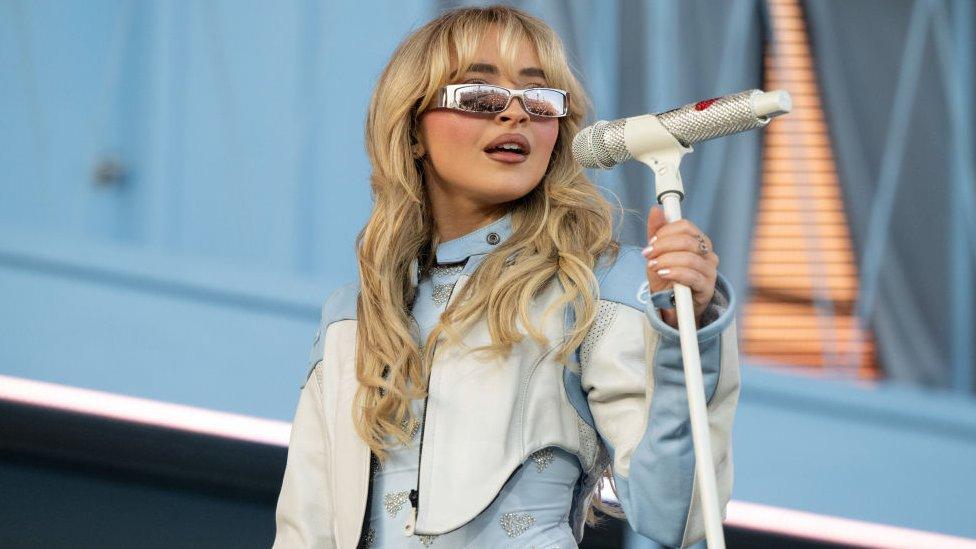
pixel 461 164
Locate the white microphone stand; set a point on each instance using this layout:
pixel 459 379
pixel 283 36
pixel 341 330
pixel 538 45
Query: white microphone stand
pixel 664 157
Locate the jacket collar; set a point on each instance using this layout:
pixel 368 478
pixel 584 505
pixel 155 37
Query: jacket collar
pixel 478 242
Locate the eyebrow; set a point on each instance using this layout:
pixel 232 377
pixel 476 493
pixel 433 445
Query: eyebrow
pixel 488 68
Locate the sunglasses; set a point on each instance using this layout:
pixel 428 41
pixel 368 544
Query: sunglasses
pixel 489 99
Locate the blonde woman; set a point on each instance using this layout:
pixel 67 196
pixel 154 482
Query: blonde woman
pixel 499 357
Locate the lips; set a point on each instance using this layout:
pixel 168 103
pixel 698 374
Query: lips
pixel 495 147
pixel 507 157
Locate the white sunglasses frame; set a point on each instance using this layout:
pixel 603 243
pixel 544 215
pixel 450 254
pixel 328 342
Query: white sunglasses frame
pixel 447 99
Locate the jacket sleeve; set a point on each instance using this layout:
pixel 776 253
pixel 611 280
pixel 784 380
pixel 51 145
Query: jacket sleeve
pixel 633 376
pixel 303 516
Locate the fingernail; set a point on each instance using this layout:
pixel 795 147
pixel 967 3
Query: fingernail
pixel 647 251
pixel 652 263
pixel 663 272
pixel 653 239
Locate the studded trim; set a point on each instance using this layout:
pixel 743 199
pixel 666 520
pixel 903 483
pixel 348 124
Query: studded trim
pixel 588 445
pixel 367 540
pixel 606 313
pixel 393 501
pixel 320 377
pixel 375 465
pixel 515 524
pixel 543 458
pixel 427 539
pixel 715 308
pixel 588 491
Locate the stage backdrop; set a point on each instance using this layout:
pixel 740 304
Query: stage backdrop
pixel 897 84
pixel 183 182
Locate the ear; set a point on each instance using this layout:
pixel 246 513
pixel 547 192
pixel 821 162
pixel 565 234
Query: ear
pixel 417 149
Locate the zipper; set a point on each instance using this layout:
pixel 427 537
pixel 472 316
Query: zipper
pixel 409 528
pixel 369 488
pixel 369 502
pixel 415 493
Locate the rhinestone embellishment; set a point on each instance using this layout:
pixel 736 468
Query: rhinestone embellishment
pixel 393 501
pixel 543 458
pixel 441 271
pixel 413 431
pixel 442 292
pixel 375 465
pixel 427 539
pixel 515 524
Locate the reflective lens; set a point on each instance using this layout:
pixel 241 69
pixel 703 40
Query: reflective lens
pixel 492 99
pixel 544 102
pixel 482 98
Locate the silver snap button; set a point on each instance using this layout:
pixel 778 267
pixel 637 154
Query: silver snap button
pixel 493 238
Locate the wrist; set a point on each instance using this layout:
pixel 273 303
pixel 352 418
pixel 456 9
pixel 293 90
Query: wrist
pixel 670 317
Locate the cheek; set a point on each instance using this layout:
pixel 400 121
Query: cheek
pixel 545 137
pixel 445 130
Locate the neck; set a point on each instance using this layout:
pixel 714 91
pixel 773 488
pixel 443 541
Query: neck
pixel 456 215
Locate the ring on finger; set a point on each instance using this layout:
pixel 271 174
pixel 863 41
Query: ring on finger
pixel 702 248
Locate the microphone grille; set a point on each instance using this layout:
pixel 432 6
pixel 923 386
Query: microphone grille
pixel 713 118
pixel 601 145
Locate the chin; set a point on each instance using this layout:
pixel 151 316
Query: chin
pixel 506 190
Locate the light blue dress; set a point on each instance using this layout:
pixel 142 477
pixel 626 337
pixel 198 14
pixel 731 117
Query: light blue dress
pixel 531 510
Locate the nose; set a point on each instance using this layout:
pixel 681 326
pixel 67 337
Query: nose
pixel 515 112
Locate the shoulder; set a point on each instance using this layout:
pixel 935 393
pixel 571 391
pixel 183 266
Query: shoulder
pixel 340 305
pixel 623 278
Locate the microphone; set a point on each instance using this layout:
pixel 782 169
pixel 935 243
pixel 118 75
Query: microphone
pixel 606 144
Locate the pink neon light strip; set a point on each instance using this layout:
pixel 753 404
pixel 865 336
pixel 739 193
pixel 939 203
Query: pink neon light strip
pixel 812 526
pixel 801 524
pixel 741 514
pixel 145 411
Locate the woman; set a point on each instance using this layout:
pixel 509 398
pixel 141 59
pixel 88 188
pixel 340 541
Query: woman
pixel 428 417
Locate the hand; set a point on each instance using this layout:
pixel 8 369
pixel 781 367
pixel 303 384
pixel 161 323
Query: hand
pixel 675 247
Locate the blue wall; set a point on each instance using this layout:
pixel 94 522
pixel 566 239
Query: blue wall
pixel 198 277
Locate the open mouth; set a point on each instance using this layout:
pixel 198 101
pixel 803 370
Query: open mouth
pixel 508 152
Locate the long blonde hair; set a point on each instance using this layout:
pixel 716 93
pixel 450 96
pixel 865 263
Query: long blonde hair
pixel 560 228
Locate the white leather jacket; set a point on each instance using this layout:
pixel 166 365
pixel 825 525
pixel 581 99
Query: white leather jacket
pixel 620 400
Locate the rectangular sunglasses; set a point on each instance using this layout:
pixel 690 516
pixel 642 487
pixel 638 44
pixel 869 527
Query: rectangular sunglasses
pixel 490 99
